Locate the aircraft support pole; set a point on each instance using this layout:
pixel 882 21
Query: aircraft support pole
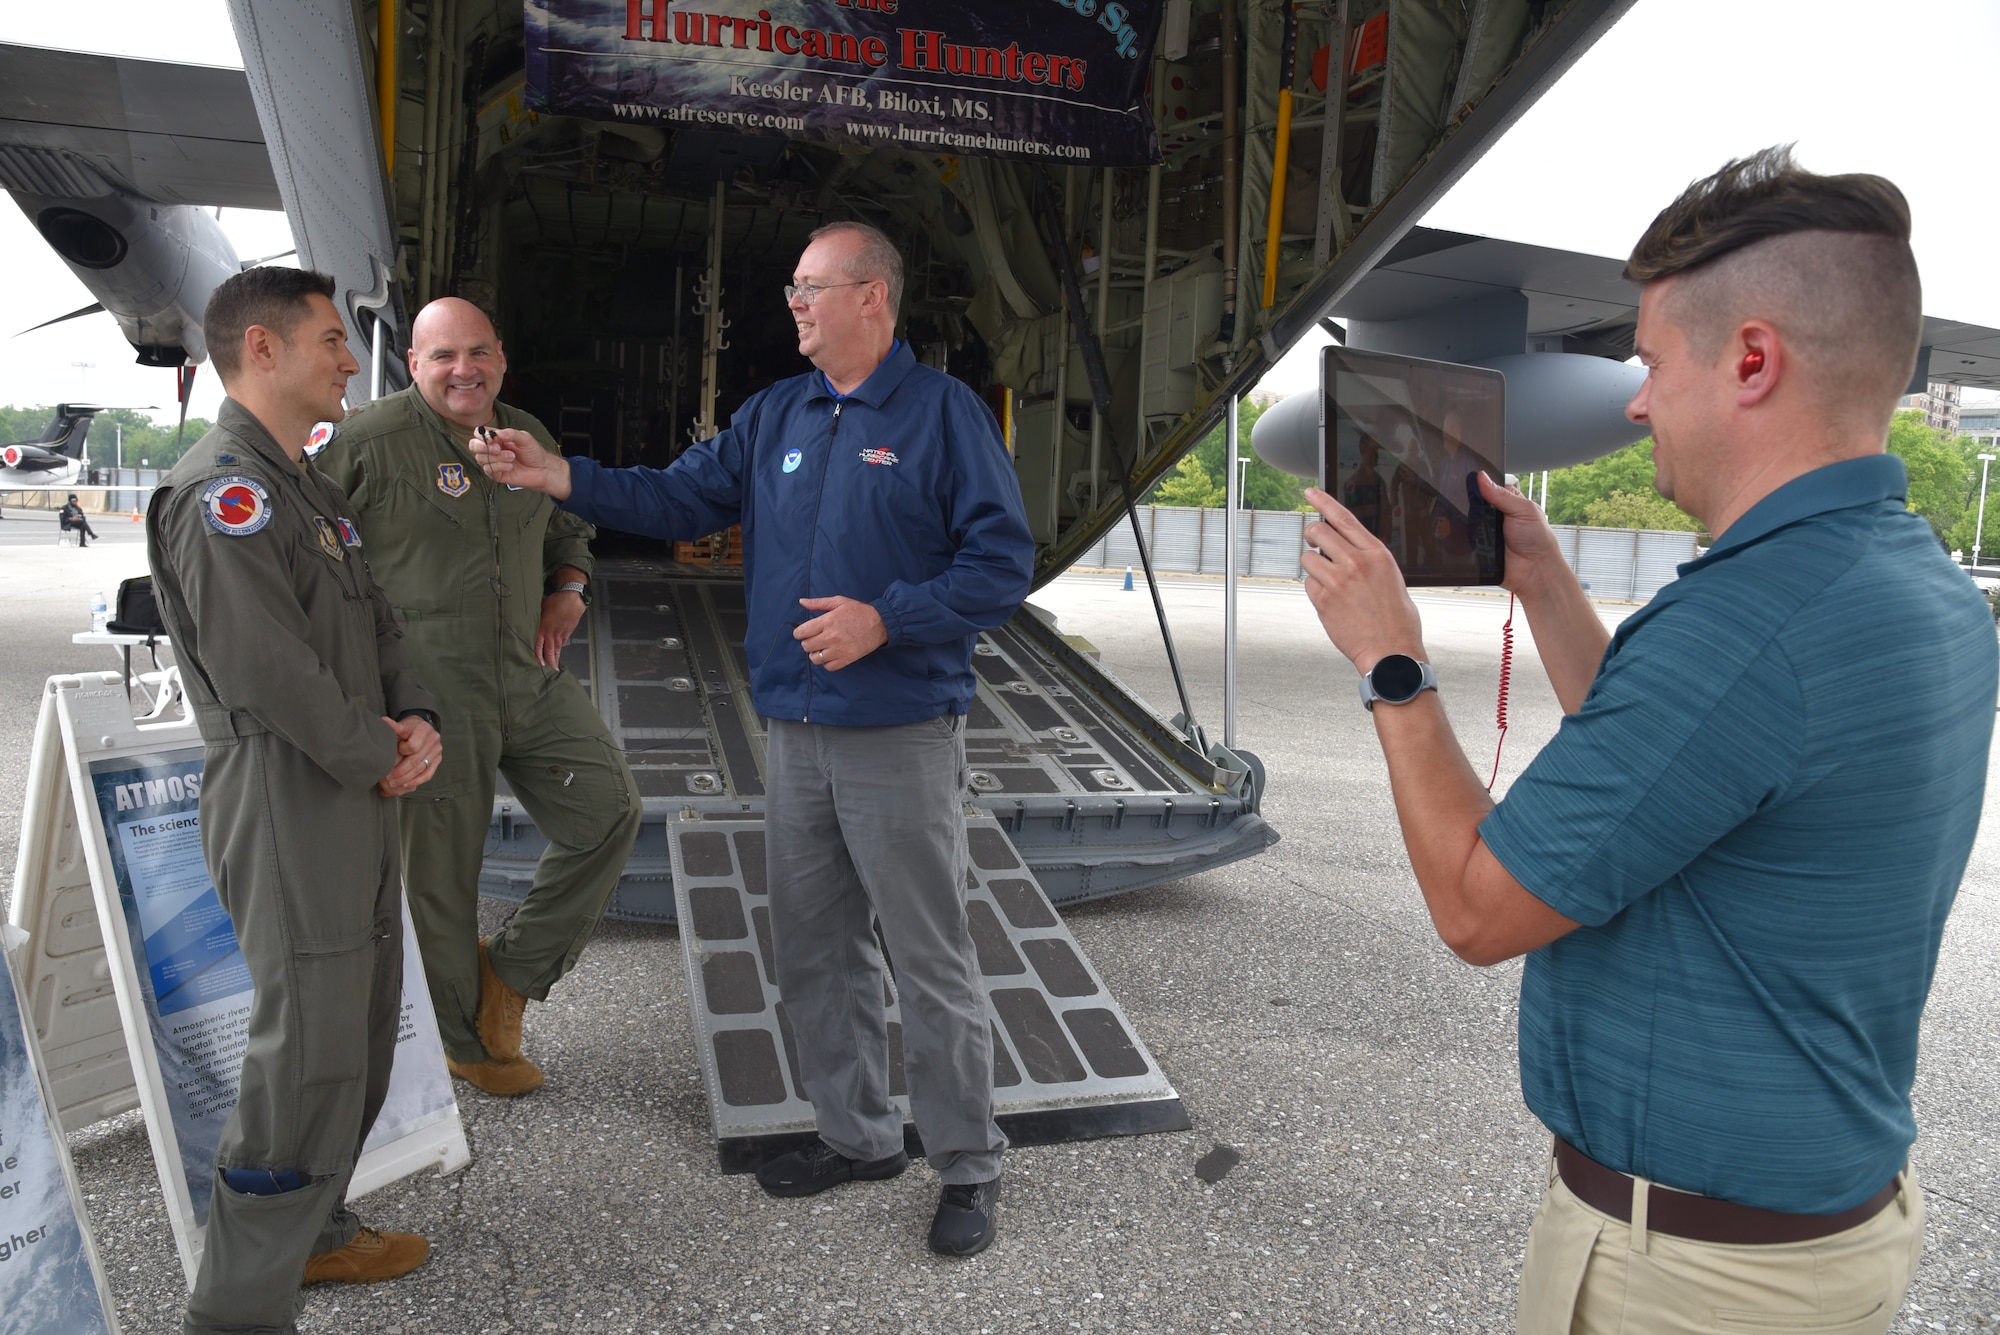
pixel 1097 422
pixel 1233 499
pixel 1142 444
pixel 375 357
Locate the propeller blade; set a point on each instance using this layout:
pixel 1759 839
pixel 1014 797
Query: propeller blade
pixel 92 309
pixel 266 259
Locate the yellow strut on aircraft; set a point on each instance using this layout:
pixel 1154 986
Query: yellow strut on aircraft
pixel 385 82
pixel 1281 154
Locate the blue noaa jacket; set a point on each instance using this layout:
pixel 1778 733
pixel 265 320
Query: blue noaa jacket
pixel 900 494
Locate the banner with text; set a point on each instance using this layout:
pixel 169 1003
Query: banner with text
pixel 1051 80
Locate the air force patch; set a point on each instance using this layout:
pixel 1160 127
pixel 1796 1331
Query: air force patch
pixel 321 435
pixel 348 533
pixel 236 506
pixel 792 458
pixel 329 539
pixel 452 480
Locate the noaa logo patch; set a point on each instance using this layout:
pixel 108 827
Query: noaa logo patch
pixel 452 480
pixel 317 441
pixel 792 458
pixel 329 539
pixel 236 506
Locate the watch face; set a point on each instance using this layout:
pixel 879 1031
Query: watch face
pixel 1396 678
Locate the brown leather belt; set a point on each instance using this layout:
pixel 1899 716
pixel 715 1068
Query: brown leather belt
pixel 1703 1218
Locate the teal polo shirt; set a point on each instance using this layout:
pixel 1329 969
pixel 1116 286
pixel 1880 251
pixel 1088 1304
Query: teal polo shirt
pixel 1760 815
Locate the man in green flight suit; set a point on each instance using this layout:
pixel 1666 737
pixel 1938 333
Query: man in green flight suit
pixel 312 719
pixel 489 583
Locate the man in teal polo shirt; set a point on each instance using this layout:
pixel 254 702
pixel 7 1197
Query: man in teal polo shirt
pixel 1730 869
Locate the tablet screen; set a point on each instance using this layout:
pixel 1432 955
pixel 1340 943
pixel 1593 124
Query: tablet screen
pixel 1403 441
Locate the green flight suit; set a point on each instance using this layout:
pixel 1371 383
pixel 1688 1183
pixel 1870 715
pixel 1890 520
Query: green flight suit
pixel 465 560
pixel 291 658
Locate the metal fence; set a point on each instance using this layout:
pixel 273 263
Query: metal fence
pixel 127 490
pixel 1622 563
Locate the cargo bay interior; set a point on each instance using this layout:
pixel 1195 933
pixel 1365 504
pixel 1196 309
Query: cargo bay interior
pixel 1106 315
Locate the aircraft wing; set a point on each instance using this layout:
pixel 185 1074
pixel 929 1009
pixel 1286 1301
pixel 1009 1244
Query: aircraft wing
pixel 1441 282
pixel 177 134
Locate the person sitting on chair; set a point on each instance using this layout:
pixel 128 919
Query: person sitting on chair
pixel 72 517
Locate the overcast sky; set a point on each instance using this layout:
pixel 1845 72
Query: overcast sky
pixel 1674 90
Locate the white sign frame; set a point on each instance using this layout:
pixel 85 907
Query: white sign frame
pixel 85 719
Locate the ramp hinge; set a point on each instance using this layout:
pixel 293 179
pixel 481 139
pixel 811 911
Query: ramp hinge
pixel 1069 815
pixel 1118 813
pixel 1214 812
pixel 1167 814
pixel 506 822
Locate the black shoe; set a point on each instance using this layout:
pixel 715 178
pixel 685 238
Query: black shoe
pixel 966 1212
pixel 811 1170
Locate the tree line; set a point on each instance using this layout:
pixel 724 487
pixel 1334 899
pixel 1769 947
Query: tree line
pixel 1201 480
pixel 1616 491
pixel 146 439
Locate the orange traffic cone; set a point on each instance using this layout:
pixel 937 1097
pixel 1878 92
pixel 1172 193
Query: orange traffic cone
pixel 135 513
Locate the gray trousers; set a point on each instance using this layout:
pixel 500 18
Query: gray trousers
pixel 311 876
pixel 865 825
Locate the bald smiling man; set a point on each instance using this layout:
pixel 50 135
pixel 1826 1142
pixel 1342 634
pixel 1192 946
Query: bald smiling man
pixel 435 528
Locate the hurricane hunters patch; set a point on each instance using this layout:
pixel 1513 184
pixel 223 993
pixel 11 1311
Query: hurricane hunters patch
pixel 236 506
pixel 318 440
pixel 329 538
pixel 349 535
pixel 452 480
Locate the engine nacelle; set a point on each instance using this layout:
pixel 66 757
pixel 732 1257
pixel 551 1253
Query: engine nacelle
pixel 1563 408
pixel 152 266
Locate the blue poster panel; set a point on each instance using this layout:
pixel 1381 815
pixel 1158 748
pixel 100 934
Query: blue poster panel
pixel 193 976
pixel 47 1283
pixel 1057 81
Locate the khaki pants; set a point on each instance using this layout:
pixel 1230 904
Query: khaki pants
pixel 1589 1274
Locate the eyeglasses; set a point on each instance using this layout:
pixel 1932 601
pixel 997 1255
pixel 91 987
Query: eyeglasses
pixel 807 293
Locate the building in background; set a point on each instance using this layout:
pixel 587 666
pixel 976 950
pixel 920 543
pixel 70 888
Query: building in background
pixel 1938 403
pixel 1981 421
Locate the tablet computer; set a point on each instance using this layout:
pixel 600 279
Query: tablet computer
pixel 1402 443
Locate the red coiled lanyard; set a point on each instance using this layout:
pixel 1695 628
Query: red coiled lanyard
pixel 1506 672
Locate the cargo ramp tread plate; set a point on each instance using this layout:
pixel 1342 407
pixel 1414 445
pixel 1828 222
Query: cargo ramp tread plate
pixel 1067 1063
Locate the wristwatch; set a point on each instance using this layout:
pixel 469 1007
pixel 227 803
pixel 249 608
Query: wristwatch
pixel 1396 679
pixel 580 590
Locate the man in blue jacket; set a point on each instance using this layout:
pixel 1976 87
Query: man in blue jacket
pixel 883 530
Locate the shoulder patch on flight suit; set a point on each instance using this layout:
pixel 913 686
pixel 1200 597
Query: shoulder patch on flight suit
pixel 348 533
pixel 321 434
pixel 236 506
pixel 452 480
pixel 329 540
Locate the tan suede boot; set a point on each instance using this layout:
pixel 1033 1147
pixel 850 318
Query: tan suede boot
pixel 503 1079
pixel 369 1257
pixel 500 1012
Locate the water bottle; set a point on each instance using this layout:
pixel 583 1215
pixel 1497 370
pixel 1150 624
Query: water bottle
pixel 100 612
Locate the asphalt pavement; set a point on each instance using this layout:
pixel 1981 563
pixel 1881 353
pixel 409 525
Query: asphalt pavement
pixel 1300 1003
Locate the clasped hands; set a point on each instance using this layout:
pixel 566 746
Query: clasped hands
pixel 418 751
